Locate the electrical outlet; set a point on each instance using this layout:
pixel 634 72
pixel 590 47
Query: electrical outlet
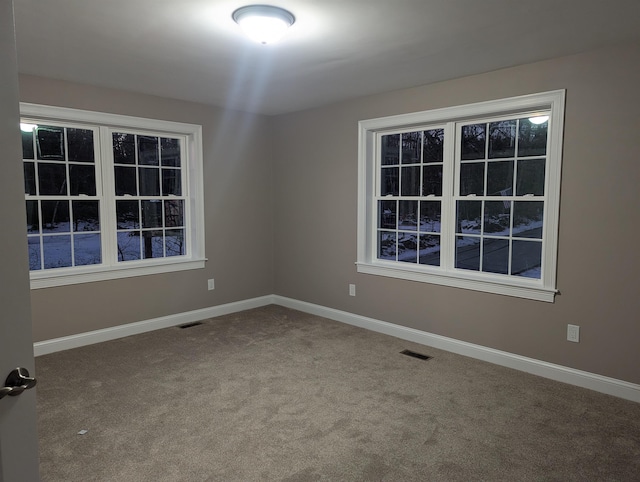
pixel 211 284
pixel 352 290
pixel 573 333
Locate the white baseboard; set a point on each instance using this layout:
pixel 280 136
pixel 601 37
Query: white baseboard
pixel 592 381
pixel 98 336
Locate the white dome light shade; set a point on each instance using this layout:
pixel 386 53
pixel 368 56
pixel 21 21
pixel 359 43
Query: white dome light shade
pixel 541 119
pixel 263 23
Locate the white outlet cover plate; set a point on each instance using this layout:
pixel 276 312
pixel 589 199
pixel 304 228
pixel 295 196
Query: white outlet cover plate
pixel 573 333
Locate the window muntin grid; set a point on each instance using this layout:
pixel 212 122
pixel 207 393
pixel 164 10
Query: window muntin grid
pixel 500 196
pixel 150 208
pixel 409 196
pixel 63 194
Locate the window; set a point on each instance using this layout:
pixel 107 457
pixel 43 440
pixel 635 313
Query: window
pixel 466 196
pixel 110 196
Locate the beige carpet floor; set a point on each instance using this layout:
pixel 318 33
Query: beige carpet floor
pixel 276 394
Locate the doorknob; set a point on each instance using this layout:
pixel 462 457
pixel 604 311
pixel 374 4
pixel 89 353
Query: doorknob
pixel 17 382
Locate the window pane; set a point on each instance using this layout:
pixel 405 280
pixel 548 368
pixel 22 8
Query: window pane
pixel 85 216
pixel 128 214
pixel 152 244
pixel 82 180
pixel 27 145
pixel 389 182
pixel 497 218
pixel 152 214
pixel 387 212
pixel 526 259
pixel 174 242
pixel 55 216
pixel 408 247
pixel 35 261
pixel 502 139
pixel 387 246
pixel 149 181
pixel 430 216
pixel 473 141
pixel 87 249
pixel 50 143
pixel 532 138
pixel 148 151
pixel 411 147
pixel 433 145
pixel 29 178
pixel 468 217
pixel 530 178
pixel 495 255
pixel 57 251
pixel 80 145
pixel 129 245
pixel 527 219
pixel 125 181
pixel 390 149
pixel 429 250
pixel 170 152
pixel 411 181
pixel 33 217
pixel 171 182
pixel 468 253
pixel 408 219
pixel 500 178
pixel 52 179
pixel 472 178
pixel 124 148
pixel 173 213
pixel 432 180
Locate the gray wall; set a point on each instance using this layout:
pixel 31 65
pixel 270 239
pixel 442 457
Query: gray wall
pixel 315 155
pixel 238 206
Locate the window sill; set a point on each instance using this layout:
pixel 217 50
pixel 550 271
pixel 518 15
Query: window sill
pixel 523 288
pixel 89 274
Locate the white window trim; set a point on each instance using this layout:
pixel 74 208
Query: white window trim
pixel 196 259
pixel 367 262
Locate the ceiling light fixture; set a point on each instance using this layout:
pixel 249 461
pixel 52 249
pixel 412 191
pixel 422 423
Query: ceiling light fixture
pixel 263 23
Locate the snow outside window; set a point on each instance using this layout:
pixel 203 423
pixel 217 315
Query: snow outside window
pixel 109 196
pixel 466 196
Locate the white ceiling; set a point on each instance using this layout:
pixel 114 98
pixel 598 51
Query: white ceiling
pixel 337 49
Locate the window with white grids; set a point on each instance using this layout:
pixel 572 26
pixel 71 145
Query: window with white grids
pixel 466 196
pixel 110 196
